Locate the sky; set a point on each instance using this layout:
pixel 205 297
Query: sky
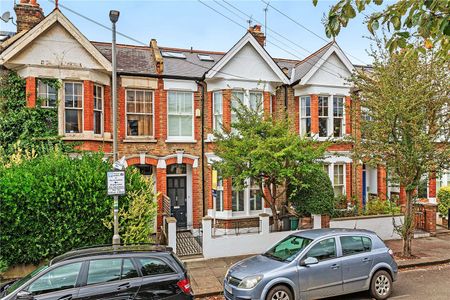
pixel 189 23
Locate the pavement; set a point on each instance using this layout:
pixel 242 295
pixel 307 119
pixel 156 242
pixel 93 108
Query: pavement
pixel 207 274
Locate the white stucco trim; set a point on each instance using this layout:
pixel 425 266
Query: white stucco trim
pixel 212 158
pixel 54 17
pixel 333 49
pixel 224 84
pixel 302 90
pixel 248 38
pixel 181 85
pixel 344 157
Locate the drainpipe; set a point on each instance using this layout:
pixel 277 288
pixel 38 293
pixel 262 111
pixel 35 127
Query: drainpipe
pixel 285 97
pixel 203 85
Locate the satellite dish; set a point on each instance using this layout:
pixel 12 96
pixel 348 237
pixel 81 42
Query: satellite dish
pixel 6 16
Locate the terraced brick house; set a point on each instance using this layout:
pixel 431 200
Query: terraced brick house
pixel 170 100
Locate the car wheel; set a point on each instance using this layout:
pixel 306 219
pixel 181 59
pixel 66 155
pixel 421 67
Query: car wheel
pixel 381 285
pixel 280 292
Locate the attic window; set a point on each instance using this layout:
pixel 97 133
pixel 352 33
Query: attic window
pixel 205 57
pixel 173 54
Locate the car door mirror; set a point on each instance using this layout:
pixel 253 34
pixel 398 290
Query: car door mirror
pixel 308 261
pixel 24 295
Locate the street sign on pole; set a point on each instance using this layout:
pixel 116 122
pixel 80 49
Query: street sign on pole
pixel 116 183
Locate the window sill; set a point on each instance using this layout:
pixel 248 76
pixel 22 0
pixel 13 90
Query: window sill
pixel 81 137
pixel 181 141
pixel 139 140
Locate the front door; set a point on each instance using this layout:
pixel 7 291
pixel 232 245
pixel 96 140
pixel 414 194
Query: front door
pixel 176 190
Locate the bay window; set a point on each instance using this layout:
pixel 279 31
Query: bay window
pixel 323 116
pixel 255 197
pixel 237 200
pixel 248 199
pixel 336 173
pixel 256 101
pixel 98 109
pixel 236 97
pixel 139 105
pixel 47 94
pixel 73 107
pixel 305 116
pixel 219 194
pixel 217 111
pixel 180 114
pixel 338 116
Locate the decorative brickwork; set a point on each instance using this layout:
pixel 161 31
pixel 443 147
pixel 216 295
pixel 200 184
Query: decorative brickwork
pixel 88 105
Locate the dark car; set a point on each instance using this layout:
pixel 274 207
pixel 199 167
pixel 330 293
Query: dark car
pixel 107 273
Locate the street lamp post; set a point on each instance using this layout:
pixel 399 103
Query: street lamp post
pixel 114 17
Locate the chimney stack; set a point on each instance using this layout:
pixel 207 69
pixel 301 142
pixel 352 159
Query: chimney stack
pixel 28 14
pixel 255 30
pixel 157 56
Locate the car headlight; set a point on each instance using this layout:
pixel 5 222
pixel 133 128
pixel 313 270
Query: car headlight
pixel 250 282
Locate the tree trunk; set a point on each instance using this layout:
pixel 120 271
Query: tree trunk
pixel 275 218
pixel 408 230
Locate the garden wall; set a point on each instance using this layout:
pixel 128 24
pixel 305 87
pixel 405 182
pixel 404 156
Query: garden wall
pixel 382 225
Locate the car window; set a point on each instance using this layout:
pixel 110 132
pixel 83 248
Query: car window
pixel 323 250
pixel 60 278
pixel 288 248
pixel 154 266
pixel 107 270
pixel 355 244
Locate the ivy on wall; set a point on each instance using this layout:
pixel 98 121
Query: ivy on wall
pixel 29 128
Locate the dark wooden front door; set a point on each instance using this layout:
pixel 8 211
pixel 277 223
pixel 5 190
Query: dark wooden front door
pixel 176 190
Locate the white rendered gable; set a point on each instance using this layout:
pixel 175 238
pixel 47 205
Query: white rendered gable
pixel 331 73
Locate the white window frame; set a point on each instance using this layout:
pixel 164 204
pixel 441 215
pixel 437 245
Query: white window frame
pixel 342 118
pixel 214 114
pixel 74 108
pixel 304 117
pixel 331 175
pixel 102 101
pixel 247 209
pixel 181 138
pixel 46 94
pixel 143 114
pixel 443 180
pixel 327 117
pixel 219 189
pixel 330 119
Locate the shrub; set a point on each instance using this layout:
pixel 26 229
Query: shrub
pixel 444 200
pixel 52 204
pixel 316 196
pixel 377 206
pixel 137 222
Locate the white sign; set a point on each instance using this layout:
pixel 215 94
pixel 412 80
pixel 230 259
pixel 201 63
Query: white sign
pixel 116 183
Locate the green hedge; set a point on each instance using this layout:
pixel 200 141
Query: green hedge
pixel 316 196
pixel 444 200
pixel 53 203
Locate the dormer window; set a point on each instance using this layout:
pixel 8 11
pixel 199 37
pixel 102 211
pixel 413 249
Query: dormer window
pixel 205 57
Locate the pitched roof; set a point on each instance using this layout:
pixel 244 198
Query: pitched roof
pixel 302 68
pixel 130 59
pixel 192 65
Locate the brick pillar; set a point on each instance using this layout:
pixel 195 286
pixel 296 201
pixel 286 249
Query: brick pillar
pixel 162 110
pixel 88 105
pixel 266 103
pixel 314 114
pixel 297 114
pixel 209 113
pixel 348 182
pixel 430 218
pixel 348 116
pixel 381 181
pixel 432 185
pixel 227 191
pixel 274 105
pixel 157 109
pixel 30 88
pixel 121 113
pixel 107 109
pixel 161 187
pixel 197 208
pixel 226 99
pixel 325 221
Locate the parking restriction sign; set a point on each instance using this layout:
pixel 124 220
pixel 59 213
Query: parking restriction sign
pixel 116 183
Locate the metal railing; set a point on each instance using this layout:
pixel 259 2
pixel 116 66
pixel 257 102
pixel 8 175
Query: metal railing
pixel 236 227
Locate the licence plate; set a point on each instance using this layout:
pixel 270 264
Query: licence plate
pixel 228 289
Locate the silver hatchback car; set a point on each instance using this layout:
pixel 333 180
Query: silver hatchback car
pixel 315 264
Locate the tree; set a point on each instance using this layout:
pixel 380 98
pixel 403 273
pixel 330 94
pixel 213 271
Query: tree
pixel 404 99
pixel 268 152
pixel 425 19
pixel 316 196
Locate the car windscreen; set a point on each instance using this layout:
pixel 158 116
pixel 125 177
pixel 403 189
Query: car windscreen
pixel 21 281
pixel 287 249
